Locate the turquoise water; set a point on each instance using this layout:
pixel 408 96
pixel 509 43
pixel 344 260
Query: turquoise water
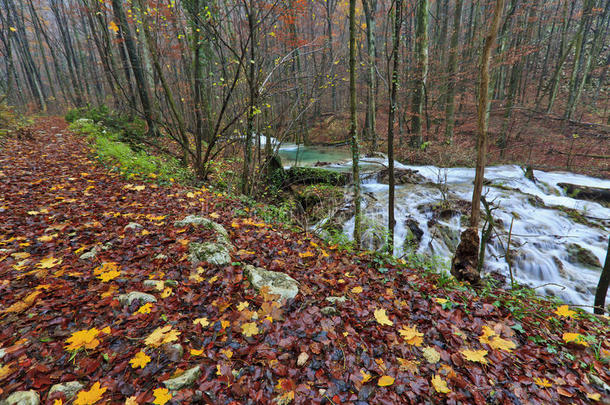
pixel 309 155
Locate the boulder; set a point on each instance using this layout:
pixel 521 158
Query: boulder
pixel 401 176
pixel 278 283
pixel 90 255
pixel 580 255
pixel 196 220
pixel 211 252
pixel 334 300
pixel 22 398
pixel 135 296
pixel 183 380
pixel 415 233
pixel 174 351
pixel 133 226
pixel 329 311
pixel 597 194
pixel 69 389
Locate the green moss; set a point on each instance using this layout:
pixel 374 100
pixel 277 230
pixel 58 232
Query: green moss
pixel 314 175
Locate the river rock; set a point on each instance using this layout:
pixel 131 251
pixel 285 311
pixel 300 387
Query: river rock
pixel 211 252
pixel 597 194
pixel 450 236
pixel 183 380
pixel 279 283
pixel 174 351
pixel 90 255
pixel 135 296
pixel 2 353
pixel 196 220
pixel 579 254
pixel 401 176
pixel 69 389
pixel 329 311
pixel 22 398
pixel 334 300
pixel 154 284
pixel 415 233
pixel 132 226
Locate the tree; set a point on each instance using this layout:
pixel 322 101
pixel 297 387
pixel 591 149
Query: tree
pixel 602 286
pixel 421 74
pixel 393 89
pixel 353 121
pixel 452 71
pixel 465 262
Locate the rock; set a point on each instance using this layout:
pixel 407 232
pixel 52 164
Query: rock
pixel 213 253
pixel 69 389
pixel 22 398
pixel 279 283
pixel 329 311
pixel 90 255
pixel 450 236
pixel 160 256
pixel 2 353
pixel 183 380
pixel 401 176
pixel 415 234
pixel 132 226
pixel 134 296
pixel 596 380
pixel 154 284
pixel 465 260
pixel 316 175
pixel 171 283
pixel 597 194
pixel 83 121
pixel 334 300
pixel 195 220
pixel 579 255
pixel 107 246
pixel 174 351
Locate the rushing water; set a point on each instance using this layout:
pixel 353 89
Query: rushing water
pixel 543 241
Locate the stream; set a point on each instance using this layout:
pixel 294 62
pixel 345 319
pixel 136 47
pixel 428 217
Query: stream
pixel 558 243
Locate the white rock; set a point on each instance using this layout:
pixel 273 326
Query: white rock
pixel 136 295
pixel 22 398
pixel 69 389
pixel 183 380
pixel 279 283
pixel 132 226
pixel 213 253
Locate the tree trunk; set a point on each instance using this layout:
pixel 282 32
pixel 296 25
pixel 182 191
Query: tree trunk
pixel 602 286
pixel 421 51
pixel 465 262
pixel 353 122
pixel 393 89
pixel 370 8
pixel 452 71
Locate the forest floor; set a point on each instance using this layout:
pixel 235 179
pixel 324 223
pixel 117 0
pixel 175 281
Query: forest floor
pixel 544 141
pixel 395 335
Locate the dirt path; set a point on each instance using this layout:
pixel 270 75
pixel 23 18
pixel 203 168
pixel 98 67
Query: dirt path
pixel 396 337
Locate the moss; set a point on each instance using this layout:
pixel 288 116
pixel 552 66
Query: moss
pixel 315 175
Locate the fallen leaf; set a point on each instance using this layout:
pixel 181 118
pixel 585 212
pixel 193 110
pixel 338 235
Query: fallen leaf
pixel 141 359
pixel 144 309
pixel 242 305
pixel 85 339
pixel 382 317
pixel 162 396
pixel 366 377
pixel 440 385
pixel 49 262
pixel 249 329
pixel 110 275
pixel 477 356
pixel 385 380
pixel 201 321
pixel 357 290
pixel 161 336
pixel 90 397
pixel 565 310
pixel 542 382
pixel 575 337
pixel 411 335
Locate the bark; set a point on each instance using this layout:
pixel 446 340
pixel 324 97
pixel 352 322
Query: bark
pixel 602 286
pixel 421 51
pixel 452 71
pixel 353 122
pixel 393 90
pixel 370 8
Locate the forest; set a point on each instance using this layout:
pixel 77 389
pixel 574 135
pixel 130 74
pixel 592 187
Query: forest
pixel 291 201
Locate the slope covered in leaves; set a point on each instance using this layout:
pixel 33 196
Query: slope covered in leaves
pixel 398 337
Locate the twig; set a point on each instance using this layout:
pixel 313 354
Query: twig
pixel 563 287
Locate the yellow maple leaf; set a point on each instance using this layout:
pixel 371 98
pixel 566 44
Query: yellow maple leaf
pixel 243 305
pixel 58 402
pixel 494 341
pixel 227 352
pixel 595 397
pixel 249 329
pixel 411 335
pixel 144 309
pixel 382 317
pixel 214 215
pixel 141 359
pixel 161 335
pixel 201 321
pixel 225 324
pixel 83 339
pixel 131 401
pixel 306 254
pixel 105 267
pixel 385 380
pixel 166 292
pixel 575 337
pixel 195 352
pixel 5 371
pixel 408 365
pixel 90 397
pixel 109 275
pixel 565 310
pixel 24 304
pixel 20 255
pixel 440 385
pixel 542 382
pixel 113 27
pixel 477 356
pixel 139 188
pixel 431 355
pixel 441 300
pixel 162 396
pixel 13 29
pixel 49 262
pixel 357 290
pixel 106 330
pixel 47 238
pixel 366 377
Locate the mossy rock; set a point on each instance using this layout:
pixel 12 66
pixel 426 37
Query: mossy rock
pixel 580 255
pixel 278 283
pixel 316 175
pixel 211 252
